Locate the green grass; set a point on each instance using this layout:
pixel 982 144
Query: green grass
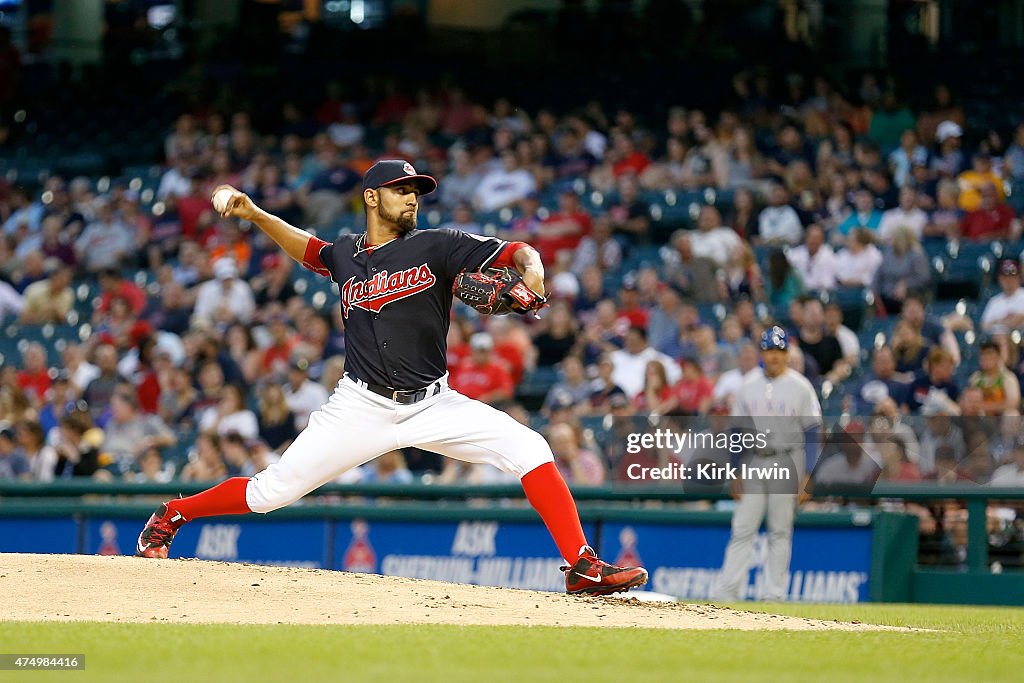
pixel 973 644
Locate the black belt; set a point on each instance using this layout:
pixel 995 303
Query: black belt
pixel 403 396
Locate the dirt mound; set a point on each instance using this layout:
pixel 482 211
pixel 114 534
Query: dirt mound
pixel 128 589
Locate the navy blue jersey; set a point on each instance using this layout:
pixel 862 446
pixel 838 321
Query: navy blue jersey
pixel 396 299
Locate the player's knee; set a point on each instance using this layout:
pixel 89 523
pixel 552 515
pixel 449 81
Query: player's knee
pixel 267 492
pixel 743 530
pixel 538 444
pixel 532 451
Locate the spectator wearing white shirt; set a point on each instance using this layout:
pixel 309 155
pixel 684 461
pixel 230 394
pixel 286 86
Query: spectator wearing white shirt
pixel 730 381
pixel 105 242
pixel 225 299
pixel 630 363
pixel 11 303
pixel 906 215
pixel 463 219
pixel 230 415
pixel 459 185
pixel 599 248
pixel 25 214
pixel 504 186
pixel 130 432
pixel 302 394
pixel 712 239
pixel 904 157
pixel 80 371
pixel 815 260
pixel 42 457
pixel 859 260
pixel 594 141
pixel 1005 311
pixel 778 223
pixel 1011 474
pixel 176 182
pixel 847 338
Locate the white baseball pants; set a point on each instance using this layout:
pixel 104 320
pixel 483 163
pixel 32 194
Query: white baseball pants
pixel 356 426
pixel 755 505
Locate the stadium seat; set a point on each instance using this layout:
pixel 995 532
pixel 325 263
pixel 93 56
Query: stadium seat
pixel 962 277
pixel 855 302
pixel 534 386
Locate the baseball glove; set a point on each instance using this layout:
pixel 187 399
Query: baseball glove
pixel 497 292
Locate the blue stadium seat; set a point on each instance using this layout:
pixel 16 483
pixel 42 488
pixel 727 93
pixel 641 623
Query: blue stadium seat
pixel 667 219
pixel 971 251
pixel 535 385
pixel 53 338
pixel 712 314
pixel 856 303
pixel 935 247
pixel 962 277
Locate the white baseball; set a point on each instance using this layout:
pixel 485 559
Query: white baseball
pixel 221 199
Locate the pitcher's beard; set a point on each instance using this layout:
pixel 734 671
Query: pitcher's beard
pixel 404 222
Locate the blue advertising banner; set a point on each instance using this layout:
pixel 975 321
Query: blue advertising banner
pixel 285 543
pixel 487 553
pixel 44 535
pixel 828 565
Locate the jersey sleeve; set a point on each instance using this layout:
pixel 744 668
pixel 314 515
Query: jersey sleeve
pixel 315 257
pixel 810 414
pixel 475 252
pixel 739 405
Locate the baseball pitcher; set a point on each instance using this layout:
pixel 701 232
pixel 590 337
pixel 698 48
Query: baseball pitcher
pixel 397 285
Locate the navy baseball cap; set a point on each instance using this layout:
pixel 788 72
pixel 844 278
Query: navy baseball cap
pixel 774 338
pixel 394 171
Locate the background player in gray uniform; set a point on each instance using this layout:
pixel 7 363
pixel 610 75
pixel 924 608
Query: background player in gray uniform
pixel 780 404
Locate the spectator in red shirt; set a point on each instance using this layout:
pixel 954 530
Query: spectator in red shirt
pixel 34 378
pixel 119 326
pixel 458 343
pixel 694 391
pixel 457 115
pixel 193 205
pixel 113 285
pixel 563 229
pixel 657 396
pixel 392 107
pixel 480 376
pixel 993 220
pixel 147 384
pixel 330 110
pixel 277 356
pixel 511 346
pixel 630 214
pixel 627 158
pixel 629 304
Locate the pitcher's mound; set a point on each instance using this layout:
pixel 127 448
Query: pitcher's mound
pixel 129 589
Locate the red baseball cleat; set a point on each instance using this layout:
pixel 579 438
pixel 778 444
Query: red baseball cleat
pixel 155 539
pixel 593 576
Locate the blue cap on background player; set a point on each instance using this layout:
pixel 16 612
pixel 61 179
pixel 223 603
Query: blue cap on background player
pixel 393 171
pixel 774 338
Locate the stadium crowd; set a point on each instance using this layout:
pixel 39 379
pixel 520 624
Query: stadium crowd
pixel 197 349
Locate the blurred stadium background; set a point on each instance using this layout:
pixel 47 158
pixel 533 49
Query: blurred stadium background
pixel 691 171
